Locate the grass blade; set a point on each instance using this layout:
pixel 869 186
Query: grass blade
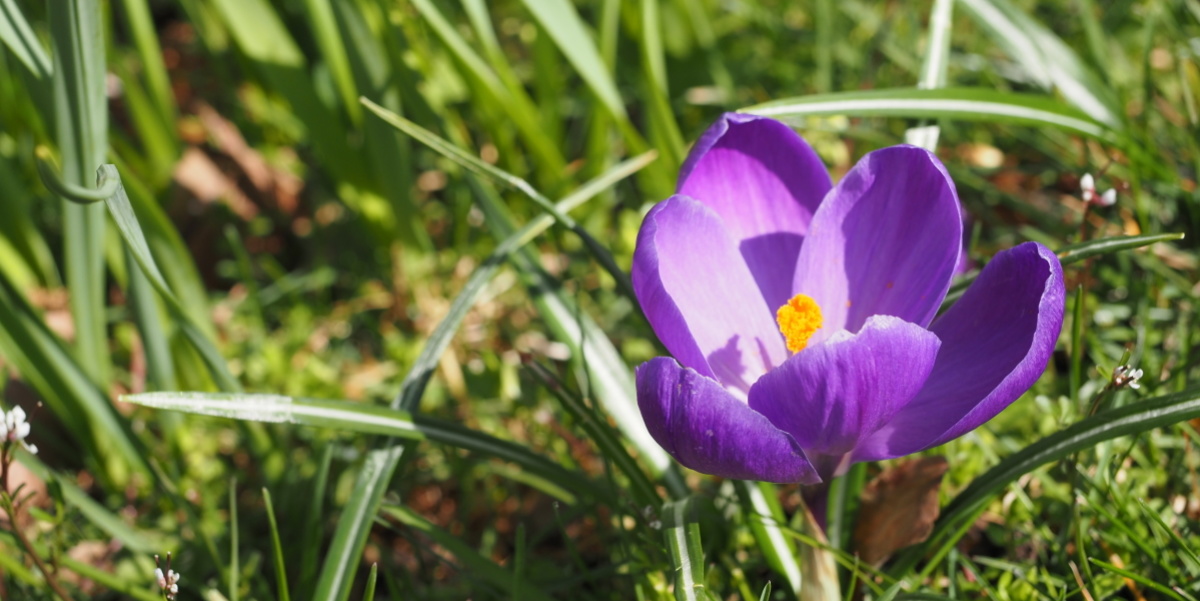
pixel 16 33
pixel 466 159
pixel 933 69
pixel 559 19
pixel 765 518
pixel 276 550
pixel 81 125
pixel 346 416
pixel 1046 57
pixel 234 567
pixel 681 532
pixel 1123 421
pixel 964 104
pixel 127 223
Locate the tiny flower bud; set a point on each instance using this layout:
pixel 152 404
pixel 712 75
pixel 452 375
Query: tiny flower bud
pixel 1087 184
pixel 1108 199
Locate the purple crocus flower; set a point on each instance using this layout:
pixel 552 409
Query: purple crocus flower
pixel 801 315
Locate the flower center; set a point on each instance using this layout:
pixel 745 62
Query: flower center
pixel 798 320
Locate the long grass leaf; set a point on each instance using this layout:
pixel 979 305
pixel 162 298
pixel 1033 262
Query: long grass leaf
pixel 765 518
pixel 346 416
pixel 81 125
pixel 281 586
pixel 933 69
pixel 561 22
pixel 324 26
pixel 131 231
pixel 681 533
pixel 1046 57
pixel 16 33
pixel 964 104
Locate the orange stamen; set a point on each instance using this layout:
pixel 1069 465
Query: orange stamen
pixel 798 320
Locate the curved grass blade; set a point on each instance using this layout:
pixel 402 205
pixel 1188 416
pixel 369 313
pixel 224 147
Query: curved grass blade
pixel 356 518
pixel 681 532
pixel 963 104
pixel 366 419
pixel 474 563
pixel 1123 421
pixel 1074 253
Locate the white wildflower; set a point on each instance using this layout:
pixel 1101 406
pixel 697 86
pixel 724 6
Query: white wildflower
pixel 1087 185
pixel 1108 199
pixel 1125 375
pixel 168 582
pixel 15 428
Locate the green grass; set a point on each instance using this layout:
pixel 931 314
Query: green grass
pixel 420 241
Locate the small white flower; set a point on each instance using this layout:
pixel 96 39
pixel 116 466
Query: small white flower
pixel 18 428
pixel 1108 199
pixel 15 428
pixel 1087 185
pixel 1125 375
pixel 168 583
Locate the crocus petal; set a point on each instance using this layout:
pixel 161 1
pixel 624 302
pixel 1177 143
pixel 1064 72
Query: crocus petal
pixel 831 395
pixel 699 296
pixel 765 182
pixel 996 341
pixel 705 428
pixel 884 242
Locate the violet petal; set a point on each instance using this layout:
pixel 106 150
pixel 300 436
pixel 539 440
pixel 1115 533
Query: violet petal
pixel 708 430
pixel 830 396
pixel 996 342
pixel 885 241
pixel 765 182
pixel 699 296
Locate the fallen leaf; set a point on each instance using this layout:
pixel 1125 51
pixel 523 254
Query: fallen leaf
pixel 899 507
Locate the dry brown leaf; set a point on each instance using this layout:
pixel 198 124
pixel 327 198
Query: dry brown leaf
pixel 898 508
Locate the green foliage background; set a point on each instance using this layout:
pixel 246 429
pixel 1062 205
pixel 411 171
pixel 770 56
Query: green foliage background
pixel 446 257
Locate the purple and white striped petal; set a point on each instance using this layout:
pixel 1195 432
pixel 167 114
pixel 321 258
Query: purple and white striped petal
pixel 884 242
pixel 996 342
pixel 707 429
pixel 765 182
pixel 700 298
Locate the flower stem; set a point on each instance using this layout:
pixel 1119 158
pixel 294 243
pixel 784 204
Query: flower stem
pixel 10 508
